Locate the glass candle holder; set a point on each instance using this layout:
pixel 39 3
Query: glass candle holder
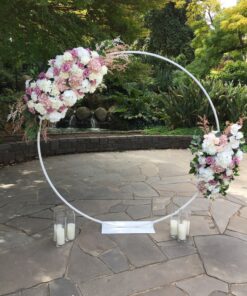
pixel 70 225
pixel 183 225
pixel 59 225
pixel 174 226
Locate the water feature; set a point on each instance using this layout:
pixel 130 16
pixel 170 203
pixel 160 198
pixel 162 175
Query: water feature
pixel 72 121
pixel 93 123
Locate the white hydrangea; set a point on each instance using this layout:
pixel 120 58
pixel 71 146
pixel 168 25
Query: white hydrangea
pixel 69 97
pixel 83 54
pixel 49 73
pixel 96 76
pixel 224 159
pixel 30 104
pixel 202 160
pixel 44 84
pixel 56 103
pixel 206 174
pixel 85 86
pixel 58 61
pixel 209 143
pixel 40 109
pixel 75 70
pixel 239 135
pixel 67 56
pixel 54 90
pixel 103 70
pixel 55 116
pixel 229 172
pixel 33 84
pixel 34 96
pixel 94 54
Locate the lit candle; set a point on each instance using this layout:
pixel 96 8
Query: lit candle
pixel 60 235
pixel 173 227
pixel 71 231
pixel 182 230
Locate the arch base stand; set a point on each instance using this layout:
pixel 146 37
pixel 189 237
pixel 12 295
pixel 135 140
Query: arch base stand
pixel 111 227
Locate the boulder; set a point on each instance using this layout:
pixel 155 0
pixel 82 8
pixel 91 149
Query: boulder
pixel 100 114
pixel 83 113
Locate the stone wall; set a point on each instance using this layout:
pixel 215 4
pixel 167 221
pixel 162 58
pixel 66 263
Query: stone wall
pixel 20 151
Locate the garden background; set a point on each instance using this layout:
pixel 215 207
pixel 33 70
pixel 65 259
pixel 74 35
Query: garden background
pixel 210 41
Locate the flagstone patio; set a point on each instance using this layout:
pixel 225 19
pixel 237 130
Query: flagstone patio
pixel 132 185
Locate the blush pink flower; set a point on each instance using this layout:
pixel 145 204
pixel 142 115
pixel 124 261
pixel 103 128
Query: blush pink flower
pixel 95 65
pixel 66 66
pixel 37 90
pixel 56 71
pixel 235 160
pixel 42 75
pixel 29 91
pixel 210 160
pixel 61 85
pixel 75 81
pixel 218 169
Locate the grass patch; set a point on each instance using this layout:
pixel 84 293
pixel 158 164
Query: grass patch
pixel 162 130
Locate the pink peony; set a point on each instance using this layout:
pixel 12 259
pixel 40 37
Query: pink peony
pixel 37 90
pixel 73 53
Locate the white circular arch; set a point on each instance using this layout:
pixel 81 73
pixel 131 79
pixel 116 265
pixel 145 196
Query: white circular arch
pixel 122 224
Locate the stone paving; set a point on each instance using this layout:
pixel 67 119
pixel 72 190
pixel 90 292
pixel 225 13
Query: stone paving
pixel 120 186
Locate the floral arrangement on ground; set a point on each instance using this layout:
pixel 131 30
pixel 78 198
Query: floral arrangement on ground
pixel 216 158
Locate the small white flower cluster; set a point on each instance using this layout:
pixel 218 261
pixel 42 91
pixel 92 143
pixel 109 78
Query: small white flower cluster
pixel 216 162
pixel 69 77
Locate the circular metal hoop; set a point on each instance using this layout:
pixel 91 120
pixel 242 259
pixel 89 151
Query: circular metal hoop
pixel 164 217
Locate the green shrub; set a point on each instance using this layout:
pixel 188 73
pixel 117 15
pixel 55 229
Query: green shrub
pixel 235 72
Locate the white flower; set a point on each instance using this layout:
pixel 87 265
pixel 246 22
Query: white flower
pixel 96 76
pixel 85 86
pixel 64 75
pixel 67 56
pixel 56 103
pixel 224 158
pixel 49 73
pixel 216 190
pixel 234 143
pixel 33 84
pixel 27 83
pixel 209 142
pixel 55 116
pixel 34 96
pixel 75 70
pixel 40 109
pixel 239 154
pixel 234 128
pixel 202 160
pixel 206 174
pixel 54 90
pixel 92 89
pixel 44 85
pixel 30 104
pixel 104 70
pixel 229 172
pixel 83 55
pixel 58 61
pixel 94 54
pixel 239 135
pixel 69 97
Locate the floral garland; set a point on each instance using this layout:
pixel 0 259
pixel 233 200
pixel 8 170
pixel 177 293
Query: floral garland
pixel 216 159
pixel 67 80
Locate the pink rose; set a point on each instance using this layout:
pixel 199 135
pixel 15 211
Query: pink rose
pixel 29 91
pixel 210 160
pixel 37 90
pixel 73 53
pixel 75 81
pixel 218 169
pixel 86 73
pixel 56 71
pixel 66 66
pixel 235 160
pixel 61 84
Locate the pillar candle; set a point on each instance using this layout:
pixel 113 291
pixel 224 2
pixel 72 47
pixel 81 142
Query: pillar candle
pixel 182 230
pixel 173 227
pixel 71 231
pixel 60 235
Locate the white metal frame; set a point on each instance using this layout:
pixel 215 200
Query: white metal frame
pixel 109 227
